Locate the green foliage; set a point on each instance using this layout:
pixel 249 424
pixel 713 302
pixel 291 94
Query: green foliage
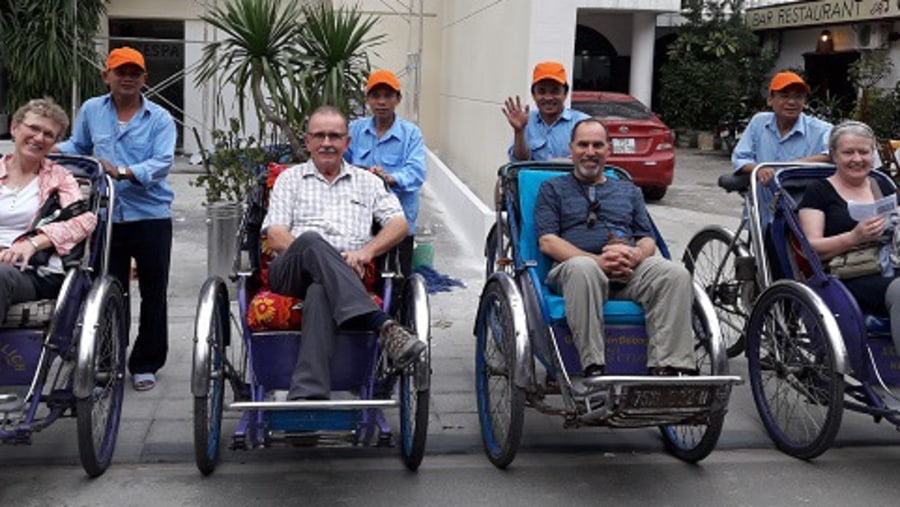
pixel 877 106
pixel 40 50
pixel 233 168
pixel 333 44
pixel 883 112
pixel 289 59
pixel 715 69
pixel 871 68
pixel 828 107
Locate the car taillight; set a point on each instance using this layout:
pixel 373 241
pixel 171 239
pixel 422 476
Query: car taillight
pixel 664 146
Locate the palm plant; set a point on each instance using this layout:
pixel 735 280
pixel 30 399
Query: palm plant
pixel 58 35
pixel 289 59
pixel 335 62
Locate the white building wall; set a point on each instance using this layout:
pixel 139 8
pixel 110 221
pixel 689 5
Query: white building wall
pixel 484 59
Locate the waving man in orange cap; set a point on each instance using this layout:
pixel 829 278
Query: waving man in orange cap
pixel 544 133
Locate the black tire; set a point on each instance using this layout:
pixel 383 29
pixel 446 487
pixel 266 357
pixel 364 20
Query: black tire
pixel 415 392
pixel 654 193
pixel 491 250
pixel 791 362
pixel 501 404
pixel 711 262
pixel 208 408
pixel 413 418
pixel 693 442
pixel 104 328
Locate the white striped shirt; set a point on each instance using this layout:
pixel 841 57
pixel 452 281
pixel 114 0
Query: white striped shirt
pixel 342 211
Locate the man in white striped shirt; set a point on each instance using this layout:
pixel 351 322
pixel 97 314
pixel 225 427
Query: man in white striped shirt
pixel 319 223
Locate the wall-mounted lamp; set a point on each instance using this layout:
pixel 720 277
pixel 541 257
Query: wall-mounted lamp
pixel 825 43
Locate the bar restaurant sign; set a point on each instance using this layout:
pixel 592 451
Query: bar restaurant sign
pixel 821 12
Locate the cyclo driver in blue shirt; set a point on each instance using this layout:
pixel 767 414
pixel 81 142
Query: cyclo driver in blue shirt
pixel 393 149
pixel 785 134
pixel 134 139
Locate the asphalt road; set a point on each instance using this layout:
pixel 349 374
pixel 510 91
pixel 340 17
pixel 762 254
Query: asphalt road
pixel 154 465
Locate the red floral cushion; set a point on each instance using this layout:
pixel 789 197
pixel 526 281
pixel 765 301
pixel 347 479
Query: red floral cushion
pixel 270 311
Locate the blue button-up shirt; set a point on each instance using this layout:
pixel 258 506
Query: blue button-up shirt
pixel 762 142
pixel 146 145
pixel 546 142
pixel 400 152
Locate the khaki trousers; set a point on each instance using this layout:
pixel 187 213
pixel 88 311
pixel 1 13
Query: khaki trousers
pixel 662 287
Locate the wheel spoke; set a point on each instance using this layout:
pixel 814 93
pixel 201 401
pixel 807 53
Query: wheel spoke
pixel 791 367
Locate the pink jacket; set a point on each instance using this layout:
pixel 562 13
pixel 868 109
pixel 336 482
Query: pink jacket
pixel 56 178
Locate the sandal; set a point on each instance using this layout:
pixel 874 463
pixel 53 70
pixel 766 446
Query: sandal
pixel 143 381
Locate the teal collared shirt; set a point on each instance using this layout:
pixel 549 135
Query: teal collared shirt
pixel 146 145
pixel 547 142
pixel 400 152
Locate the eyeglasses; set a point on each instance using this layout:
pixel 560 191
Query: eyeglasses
pixel 35 130
pixel 320 137
pixel 593 209
pixel 790 96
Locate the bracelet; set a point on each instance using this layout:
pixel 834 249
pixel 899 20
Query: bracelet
pixel 33 243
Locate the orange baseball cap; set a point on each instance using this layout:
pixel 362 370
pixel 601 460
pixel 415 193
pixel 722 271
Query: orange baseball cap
pixel 549 70
pixel 787 78
pixel 123 56
pixel 384 77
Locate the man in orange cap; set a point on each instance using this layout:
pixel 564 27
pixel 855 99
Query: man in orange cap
pixel 393 149
pixel 543 134
pixel 785 134
pixel 134 139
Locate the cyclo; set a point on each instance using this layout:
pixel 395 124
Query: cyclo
pixel 520 322
pixel 811 351
pixel 258 365
pixel 66 357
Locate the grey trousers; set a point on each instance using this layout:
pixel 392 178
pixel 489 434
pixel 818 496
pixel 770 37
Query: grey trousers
pixel 332 294
pixel 662 287
pixel 15 286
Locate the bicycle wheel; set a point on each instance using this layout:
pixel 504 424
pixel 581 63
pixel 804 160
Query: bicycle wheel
pixel 501 404
pixel 791 362
pixel 211 330
pixel 711 262
pixel 415 384
pixel 693 442
pixel 100 375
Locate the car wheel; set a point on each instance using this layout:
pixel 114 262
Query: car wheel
pixel 654 193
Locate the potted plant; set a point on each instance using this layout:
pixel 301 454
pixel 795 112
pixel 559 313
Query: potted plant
pixel 231 173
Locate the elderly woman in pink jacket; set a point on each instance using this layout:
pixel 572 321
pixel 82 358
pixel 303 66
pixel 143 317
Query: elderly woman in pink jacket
pixel 28 180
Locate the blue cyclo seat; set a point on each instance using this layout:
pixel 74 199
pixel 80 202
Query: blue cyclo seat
pixel 529 183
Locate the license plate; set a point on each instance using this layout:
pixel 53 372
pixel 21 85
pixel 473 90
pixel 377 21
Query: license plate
pixel 623 145
pixel 669 397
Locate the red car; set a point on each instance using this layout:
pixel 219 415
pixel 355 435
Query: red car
pixel 641 143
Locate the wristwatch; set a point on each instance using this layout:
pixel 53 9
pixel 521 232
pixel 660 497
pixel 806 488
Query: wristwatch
pixel 123 174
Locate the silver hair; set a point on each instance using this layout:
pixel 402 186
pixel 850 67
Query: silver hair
pixel 851 127
pixel 45 107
